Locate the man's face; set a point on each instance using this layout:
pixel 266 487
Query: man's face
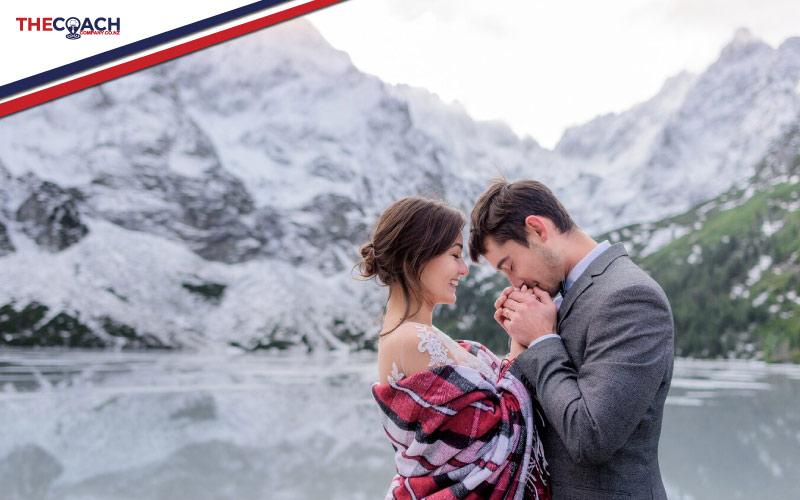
pixel 533 265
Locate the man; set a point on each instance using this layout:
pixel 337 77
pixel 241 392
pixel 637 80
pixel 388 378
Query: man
pixel 599 362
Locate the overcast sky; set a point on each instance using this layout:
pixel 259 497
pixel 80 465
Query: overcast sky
pixel 543 66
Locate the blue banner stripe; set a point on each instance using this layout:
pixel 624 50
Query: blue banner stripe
pixel 132 48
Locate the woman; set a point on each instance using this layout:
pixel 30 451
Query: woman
pixel 461 425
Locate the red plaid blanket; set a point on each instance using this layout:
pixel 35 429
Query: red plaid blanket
pixel 458 435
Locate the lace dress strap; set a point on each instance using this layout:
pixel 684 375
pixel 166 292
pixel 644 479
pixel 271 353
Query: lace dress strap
pixel 418 347
pixel 433 343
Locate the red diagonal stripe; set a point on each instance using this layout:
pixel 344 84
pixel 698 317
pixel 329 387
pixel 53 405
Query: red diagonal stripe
pixel 62 89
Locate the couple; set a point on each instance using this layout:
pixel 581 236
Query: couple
pixel 574 411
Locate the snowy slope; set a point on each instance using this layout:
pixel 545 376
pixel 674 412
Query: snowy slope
pixel 221 198
pixel 694 139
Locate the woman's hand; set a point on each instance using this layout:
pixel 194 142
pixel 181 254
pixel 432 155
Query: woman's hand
pixel 499 304
pixel 529 316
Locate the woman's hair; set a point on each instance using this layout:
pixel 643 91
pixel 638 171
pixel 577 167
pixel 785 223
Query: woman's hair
pixel 408 234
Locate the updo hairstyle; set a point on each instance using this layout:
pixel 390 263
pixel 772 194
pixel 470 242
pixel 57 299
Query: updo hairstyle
pixel 408 234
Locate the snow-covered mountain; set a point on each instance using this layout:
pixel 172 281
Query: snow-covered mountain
pixel 220 198
pixel 694 139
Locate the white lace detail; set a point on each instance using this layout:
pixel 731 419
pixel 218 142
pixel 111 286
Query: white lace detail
pixel 431 342
pixel 442 351
pixel 445 351
pixel 396 374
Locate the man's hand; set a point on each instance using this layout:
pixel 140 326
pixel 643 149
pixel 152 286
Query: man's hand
pixel 526 317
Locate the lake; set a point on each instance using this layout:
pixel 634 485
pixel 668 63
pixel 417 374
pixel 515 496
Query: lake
pixel 144 425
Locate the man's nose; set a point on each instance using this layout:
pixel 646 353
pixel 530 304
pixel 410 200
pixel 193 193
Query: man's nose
pixel 515 281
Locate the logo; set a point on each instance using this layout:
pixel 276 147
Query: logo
pixel 73 25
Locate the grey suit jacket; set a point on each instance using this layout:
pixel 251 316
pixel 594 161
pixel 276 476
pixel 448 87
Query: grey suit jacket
pixel 603 384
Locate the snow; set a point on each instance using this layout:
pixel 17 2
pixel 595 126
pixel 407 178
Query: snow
pixel 148 271
pixel 754 274
pixel 278 161
pixel 771 227
pixel 792 206
pixel 660 238
pixel 696 256
pixel 759 301
pixel 739 290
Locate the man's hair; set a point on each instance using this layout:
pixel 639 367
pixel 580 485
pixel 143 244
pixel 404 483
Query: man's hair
pixel 501 210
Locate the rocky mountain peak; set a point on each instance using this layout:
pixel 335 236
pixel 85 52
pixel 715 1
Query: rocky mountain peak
pixel 742 46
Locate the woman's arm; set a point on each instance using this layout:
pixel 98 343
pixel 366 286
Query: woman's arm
pixel 516 350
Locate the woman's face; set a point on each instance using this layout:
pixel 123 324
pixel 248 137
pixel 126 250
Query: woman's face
pixel 441 274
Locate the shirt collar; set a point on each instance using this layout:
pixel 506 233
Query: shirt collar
pixel 579 269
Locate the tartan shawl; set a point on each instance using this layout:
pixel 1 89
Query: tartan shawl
pixel 457 435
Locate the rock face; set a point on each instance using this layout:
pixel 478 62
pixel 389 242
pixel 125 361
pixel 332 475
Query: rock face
pixel 6 247
pixel 204 213
pixel 220 199
pixel 51 218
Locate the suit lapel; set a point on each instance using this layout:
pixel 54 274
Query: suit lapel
pixel 580 286
pixel 596 268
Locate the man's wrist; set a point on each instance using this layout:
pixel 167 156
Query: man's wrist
pixel 543 337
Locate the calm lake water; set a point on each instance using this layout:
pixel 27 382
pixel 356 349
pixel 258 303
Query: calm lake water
pixel 102 425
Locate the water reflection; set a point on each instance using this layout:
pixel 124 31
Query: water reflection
pixel 732 430
pixel 167 425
